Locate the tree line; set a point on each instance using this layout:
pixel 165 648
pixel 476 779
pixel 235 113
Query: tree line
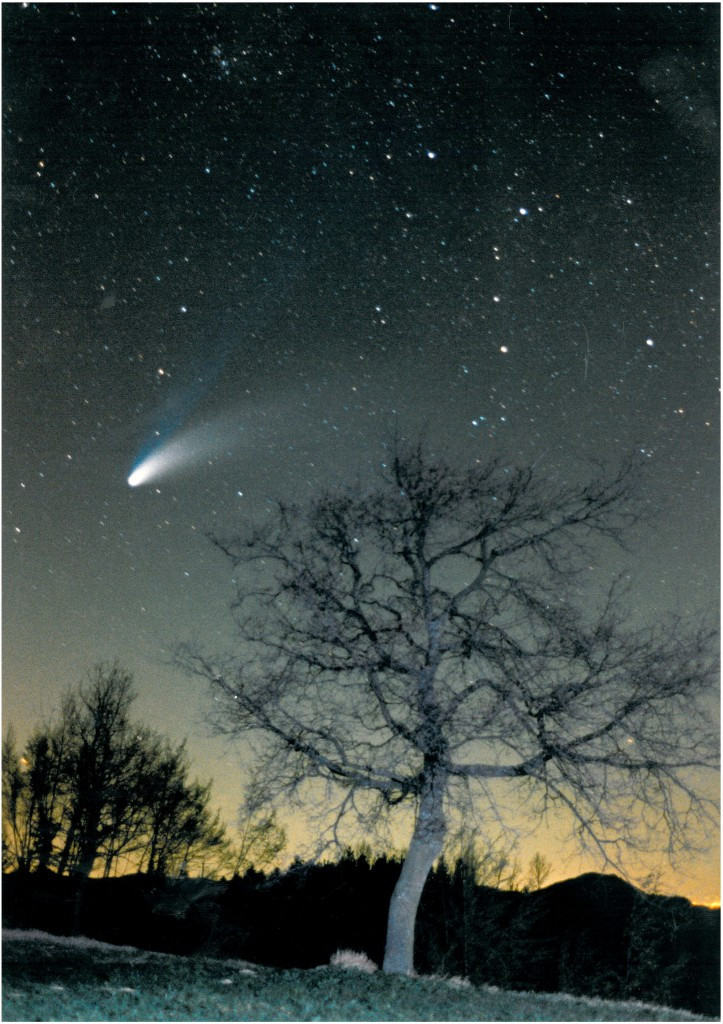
pixel 94 791
pixel 480 917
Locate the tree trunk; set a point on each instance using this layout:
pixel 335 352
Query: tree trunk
pixel 88 844
pixel 64 860
pixel 424 849
pixel 86 859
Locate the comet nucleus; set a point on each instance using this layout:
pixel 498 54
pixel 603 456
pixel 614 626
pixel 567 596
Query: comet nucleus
pixel 146 470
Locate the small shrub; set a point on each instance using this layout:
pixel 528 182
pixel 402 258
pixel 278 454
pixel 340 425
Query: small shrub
pixel 352 961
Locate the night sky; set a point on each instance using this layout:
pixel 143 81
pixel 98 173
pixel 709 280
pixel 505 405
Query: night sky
pixel 271 237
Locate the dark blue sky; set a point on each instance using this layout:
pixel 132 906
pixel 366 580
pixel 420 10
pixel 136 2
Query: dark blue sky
pixel 295 230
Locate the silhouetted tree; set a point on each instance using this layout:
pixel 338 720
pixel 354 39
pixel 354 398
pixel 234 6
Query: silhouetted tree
pixel 33 798
pixel 127 812
pixel 260 840
pixel 101 761
pixel 538 872
pixel 95 786
pixel 424 644
pixel 487 862
pixel 17 834
pixel 180 824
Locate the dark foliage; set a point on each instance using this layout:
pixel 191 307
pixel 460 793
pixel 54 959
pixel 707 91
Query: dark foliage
pixel 95 788
pixel 318 909
pixel 592 935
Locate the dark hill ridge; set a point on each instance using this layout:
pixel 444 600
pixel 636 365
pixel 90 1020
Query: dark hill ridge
pixel 591 935
pixel 596 934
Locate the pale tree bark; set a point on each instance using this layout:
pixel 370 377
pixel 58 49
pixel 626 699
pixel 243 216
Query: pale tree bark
pixel 424 849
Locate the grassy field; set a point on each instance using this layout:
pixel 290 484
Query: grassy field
pixel 47 978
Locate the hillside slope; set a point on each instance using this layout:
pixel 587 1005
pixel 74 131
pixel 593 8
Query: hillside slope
pixel 594 935
pixel 51 978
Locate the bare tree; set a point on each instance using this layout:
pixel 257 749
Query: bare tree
pixel 95 786
pixel 538 872
pixel 180 826
pixel 429 643
pixel 34 792
pixel 260 840
pixel 16 809
pixel 102 752
pixel 126 813
pixel 487 861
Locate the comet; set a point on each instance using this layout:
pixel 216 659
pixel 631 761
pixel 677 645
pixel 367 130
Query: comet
pixel 173 455
pixel 177 446
pixel 155 465
pixel 185 451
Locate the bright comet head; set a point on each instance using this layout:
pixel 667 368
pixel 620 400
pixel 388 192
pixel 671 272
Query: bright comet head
pixel 140 474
